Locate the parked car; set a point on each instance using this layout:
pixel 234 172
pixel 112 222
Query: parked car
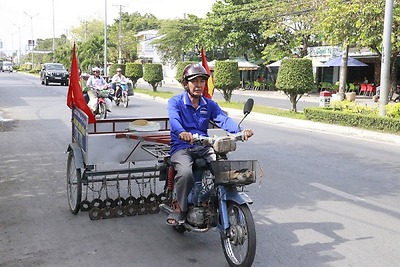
pixel 54 73
pixel 6 66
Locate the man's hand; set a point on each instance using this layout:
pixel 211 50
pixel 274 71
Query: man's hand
pixel 186 136
pixel 247 133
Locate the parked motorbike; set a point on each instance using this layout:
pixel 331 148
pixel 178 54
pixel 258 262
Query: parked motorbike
pixel 215 199
pixel 121 94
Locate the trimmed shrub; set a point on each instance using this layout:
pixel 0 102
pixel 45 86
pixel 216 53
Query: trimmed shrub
pixel 153 74
pixel 295 77
pixel 226 78
pixel 180 66
pixel 134 71
pixel 114 67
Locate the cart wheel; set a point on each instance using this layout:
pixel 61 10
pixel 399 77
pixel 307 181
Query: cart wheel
pixel 86 205
pixel 74 184
pixel 95 214
pixel 107 213
pixel 108 203
pixel 131 209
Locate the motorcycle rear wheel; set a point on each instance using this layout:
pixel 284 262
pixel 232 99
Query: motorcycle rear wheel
pixel 240 243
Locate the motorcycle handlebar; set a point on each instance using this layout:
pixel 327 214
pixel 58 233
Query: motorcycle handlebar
pixel 211 139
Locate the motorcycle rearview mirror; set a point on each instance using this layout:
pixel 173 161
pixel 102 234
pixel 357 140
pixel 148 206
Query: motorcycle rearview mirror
pixel 248 107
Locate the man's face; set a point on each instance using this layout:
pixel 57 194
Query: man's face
pixel 196 86
pixel 97 73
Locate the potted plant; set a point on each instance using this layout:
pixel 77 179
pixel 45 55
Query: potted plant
pixel 351 92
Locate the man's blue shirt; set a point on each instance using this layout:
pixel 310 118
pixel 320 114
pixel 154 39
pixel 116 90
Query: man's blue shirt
pixel 183 117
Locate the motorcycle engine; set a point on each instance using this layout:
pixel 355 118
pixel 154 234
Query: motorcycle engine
pixel 196 217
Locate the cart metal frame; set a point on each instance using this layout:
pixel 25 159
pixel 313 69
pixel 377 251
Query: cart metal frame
pixel 134 156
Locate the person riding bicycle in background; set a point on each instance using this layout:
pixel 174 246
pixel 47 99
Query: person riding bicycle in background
pixel 190 113
pixel 96 82
pixel 118 78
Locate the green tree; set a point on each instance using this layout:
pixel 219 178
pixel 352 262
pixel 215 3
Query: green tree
pixel 226 78
pixel 295 77
pixel 232 29
pixel 153 74
pixel 131 24
pixel 174 41
pixel 86 30
pixel 91 53
pixel 288 28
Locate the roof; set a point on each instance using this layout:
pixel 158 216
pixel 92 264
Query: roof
pixel 242 64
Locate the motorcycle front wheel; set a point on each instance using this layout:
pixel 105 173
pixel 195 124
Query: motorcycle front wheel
pixel 125 100
pixel 239 244
pixel 103 110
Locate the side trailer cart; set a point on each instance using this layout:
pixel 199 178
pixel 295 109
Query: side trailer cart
pixel 113 165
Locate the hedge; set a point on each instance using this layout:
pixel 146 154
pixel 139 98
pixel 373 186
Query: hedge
pixel 370 122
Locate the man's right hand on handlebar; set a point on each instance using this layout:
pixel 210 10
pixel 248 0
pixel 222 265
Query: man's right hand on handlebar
pixel 247 133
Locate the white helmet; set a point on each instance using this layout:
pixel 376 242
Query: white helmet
pixel 96 69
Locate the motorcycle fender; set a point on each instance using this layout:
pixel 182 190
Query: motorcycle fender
pixel 238 197
pixel 230 194
pixel 101 100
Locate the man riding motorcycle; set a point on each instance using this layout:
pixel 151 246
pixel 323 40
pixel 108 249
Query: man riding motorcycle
pixel 96 82
pixel 121 79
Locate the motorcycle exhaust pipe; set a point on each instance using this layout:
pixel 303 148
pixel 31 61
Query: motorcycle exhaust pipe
pixel 165 208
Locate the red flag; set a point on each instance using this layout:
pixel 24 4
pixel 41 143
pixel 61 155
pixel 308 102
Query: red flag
pixel 209 89
pixel 75 96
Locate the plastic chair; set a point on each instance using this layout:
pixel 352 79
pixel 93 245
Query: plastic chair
pixel 371 89
pixel 363 89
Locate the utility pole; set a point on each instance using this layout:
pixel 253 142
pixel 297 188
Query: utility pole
pixel 54 45
pixel 19 33
pixel 385 62
pixel 105 38
pixel 120 35
pixel 33 41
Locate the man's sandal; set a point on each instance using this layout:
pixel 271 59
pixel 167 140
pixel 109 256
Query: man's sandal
pixel 176 218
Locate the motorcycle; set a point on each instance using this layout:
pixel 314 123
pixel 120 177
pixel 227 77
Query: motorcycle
pixel 100 107
pixel 121 94
pixel 215 200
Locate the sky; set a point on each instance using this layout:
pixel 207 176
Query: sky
pixel 19 18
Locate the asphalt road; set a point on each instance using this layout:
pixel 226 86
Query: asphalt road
pixel 325 199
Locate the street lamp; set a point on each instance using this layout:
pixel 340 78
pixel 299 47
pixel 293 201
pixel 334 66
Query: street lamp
pixel 105 38
pixel 33 42
pixel 19 33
